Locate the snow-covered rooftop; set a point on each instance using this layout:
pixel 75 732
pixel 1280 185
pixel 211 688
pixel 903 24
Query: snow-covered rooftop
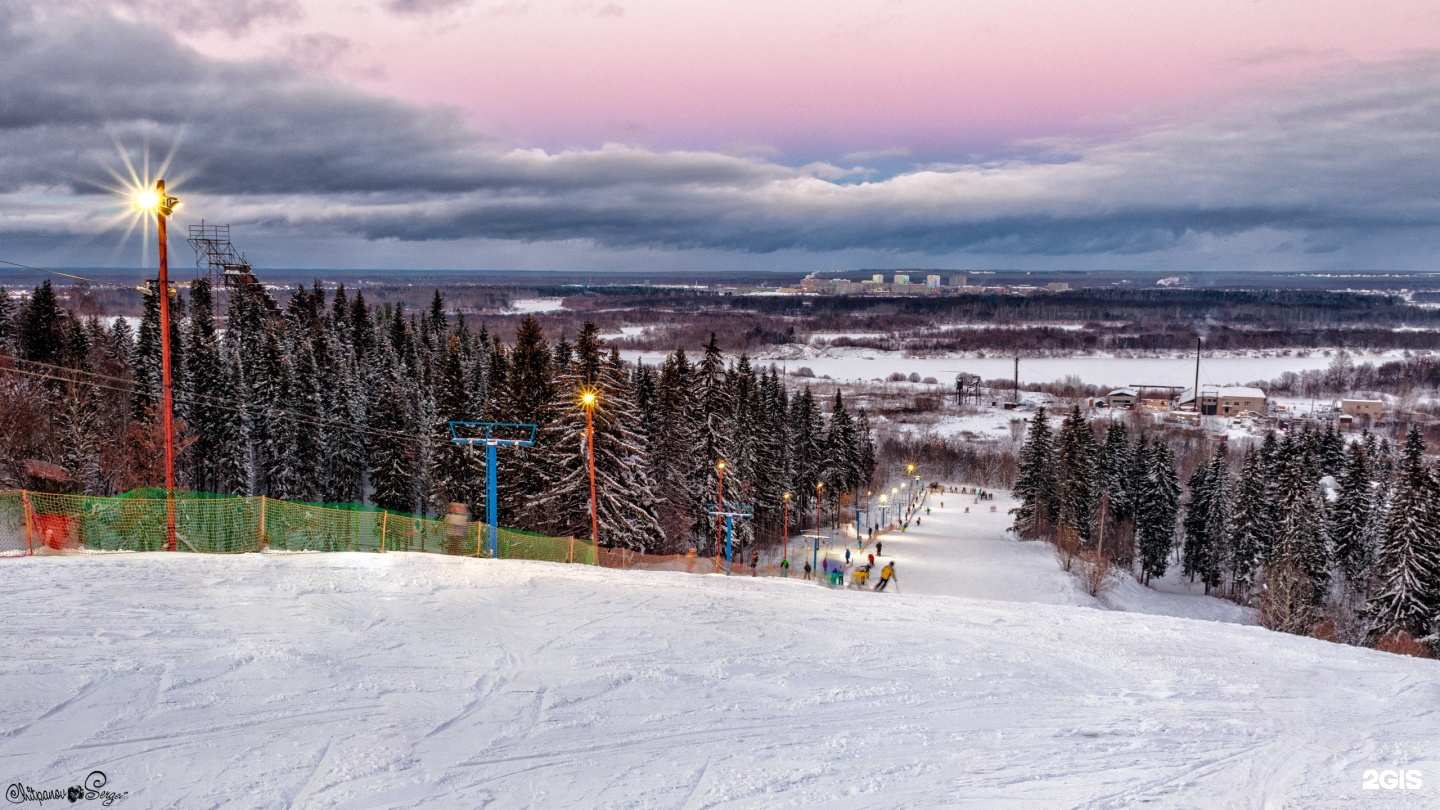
pixel 1223 391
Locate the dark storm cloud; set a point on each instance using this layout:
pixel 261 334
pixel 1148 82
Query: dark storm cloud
pixel 1348 158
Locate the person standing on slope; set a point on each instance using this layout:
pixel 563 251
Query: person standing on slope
pixel 879 544
pixel 886 574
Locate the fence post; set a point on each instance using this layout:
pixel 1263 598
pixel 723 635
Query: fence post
pixel 384 524
pixel 570 558
pixel 263 541
pixel 29 523
pixel 479 538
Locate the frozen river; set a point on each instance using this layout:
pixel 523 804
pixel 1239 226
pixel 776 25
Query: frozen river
pixel 865 364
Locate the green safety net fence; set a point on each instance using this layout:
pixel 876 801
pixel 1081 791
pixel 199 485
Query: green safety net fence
pixel 33 522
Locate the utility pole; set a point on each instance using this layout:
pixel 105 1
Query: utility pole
pixel 1017 379
pixel 1198 409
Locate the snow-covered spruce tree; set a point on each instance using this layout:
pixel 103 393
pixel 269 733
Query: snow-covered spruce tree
pixel 37 337
pixel 145 373
pixel 1299 513
pixel 1251 527
pixel 1077 478
pixel 866 438
pixel 1158 507
pixel 715 426
pixel 771 481
pixel 455 469
pixel 232 446
pixel 1197 550
pixel 1036 485
pixel 1331 448
pixel 841 449
pixel 306 412
pixel 1218 514
pixel 197 403
pixel 7 321
pixel 674 458
pixel 1407 596
pixel 1350 519
pixel 625 499
pixel 392 458
pixel 279 464
pixel 528 397
pixel 1117 460
pixel 806 454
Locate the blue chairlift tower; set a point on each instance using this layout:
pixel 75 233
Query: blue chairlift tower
pixel 493 439
pixel 730 511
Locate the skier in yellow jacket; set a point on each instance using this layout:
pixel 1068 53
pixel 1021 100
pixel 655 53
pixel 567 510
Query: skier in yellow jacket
pixel 886 574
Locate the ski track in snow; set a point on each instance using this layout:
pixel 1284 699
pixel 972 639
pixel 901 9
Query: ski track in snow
pixel 407 680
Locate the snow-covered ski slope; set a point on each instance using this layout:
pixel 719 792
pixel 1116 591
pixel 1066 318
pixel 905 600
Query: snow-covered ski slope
pixel 400 680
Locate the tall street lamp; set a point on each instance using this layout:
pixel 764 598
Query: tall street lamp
pixel 587 398
pixel 163 205
pixel 786 525
pixel 818 486
pixel 720 502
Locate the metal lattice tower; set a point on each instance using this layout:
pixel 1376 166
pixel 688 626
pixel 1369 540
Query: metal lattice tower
pixel 228 267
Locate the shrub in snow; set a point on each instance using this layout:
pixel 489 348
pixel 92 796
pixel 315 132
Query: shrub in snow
pixel 897 376
pixel 931 381
pixel 804 371
pixel 914 376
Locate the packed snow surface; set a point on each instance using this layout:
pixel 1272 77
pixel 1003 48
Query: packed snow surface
pixel 406 680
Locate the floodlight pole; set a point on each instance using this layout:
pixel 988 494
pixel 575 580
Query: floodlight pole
pixel 590 440
pixel 786 526
pixel 167 416
pixel 492 508
pixel 720 504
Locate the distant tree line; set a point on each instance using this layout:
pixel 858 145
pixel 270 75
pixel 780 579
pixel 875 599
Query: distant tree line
pixel 330 399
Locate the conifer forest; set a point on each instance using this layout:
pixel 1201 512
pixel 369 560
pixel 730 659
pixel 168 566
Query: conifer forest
pixel 1327 537
pixel 330 399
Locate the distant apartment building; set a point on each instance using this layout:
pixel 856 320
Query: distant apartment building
pixel 878 278
pixel 902 278
pixel 932 282
pixel 959 281
pixel 1058 286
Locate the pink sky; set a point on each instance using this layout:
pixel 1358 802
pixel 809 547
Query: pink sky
pixel 819 78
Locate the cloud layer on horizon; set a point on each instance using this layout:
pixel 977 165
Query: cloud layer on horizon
pixel 1328 165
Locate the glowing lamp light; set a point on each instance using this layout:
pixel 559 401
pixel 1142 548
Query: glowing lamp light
pixel 588 398
pixel 720 465
pixel 152 201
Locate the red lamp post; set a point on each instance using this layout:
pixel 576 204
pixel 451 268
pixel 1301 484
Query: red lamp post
pixel 588 399
pixel 819 486
pixel 785 530
pixel 163 206
pixel 720 502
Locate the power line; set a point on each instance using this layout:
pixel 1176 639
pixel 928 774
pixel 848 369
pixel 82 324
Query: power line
pixel 71 275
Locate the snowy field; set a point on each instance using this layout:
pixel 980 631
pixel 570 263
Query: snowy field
pixel 401 680
pixel 856 365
